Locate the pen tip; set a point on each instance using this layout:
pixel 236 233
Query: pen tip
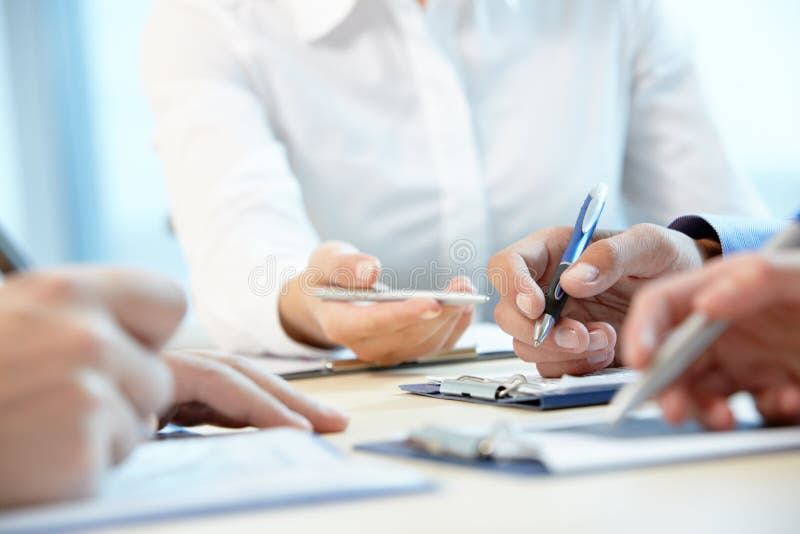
pixel 542 328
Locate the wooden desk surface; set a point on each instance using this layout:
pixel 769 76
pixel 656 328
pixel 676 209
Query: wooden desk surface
pixel 750 495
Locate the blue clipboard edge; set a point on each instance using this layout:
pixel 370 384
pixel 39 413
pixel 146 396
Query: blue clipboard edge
pixel 571 399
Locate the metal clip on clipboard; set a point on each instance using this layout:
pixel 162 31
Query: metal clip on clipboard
pixel 516 387
pixel 530 393
pixel 502 443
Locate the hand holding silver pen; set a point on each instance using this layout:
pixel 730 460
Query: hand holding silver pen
pixel 741 332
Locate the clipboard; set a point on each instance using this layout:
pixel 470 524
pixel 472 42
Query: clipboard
pixel 481 342
pixel 350 366
pixel 587 448
pixel 527 393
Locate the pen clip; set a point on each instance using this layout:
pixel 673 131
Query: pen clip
pixel 597 201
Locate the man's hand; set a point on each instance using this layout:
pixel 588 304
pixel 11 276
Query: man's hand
pixel 600 285
pixel 759 353
pixel 232 391
pixel 386 333
pixel 79 376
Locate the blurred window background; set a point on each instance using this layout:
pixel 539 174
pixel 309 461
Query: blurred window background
pixel 80 180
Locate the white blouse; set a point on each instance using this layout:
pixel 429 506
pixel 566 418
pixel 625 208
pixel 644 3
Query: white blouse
pixel 431 138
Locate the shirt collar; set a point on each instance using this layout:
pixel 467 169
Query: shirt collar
pixel 313 19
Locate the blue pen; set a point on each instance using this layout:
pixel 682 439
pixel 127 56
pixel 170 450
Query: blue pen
pixel 555 298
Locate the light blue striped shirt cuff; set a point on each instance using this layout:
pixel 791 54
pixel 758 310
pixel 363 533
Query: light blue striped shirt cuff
pixel 734 234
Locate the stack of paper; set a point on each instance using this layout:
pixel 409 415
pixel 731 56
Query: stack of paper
pixel 214 474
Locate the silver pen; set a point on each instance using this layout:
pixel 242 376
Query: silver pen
pixel 688 341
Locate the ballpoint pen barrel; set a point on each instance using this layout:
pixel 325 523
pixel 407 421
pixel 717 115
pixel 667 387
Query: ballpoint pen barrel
pixel 680 349
pixel 554 297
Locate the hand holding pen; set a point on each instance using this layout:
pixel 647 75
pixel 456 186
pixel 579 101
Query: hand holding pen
pixel 600 285
pixel 555 297
pixel 732 326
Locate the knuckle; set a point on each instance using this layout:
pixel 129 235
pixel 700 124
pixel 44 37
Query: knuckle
pixel 658 239
pixel 647 229
pixel 56 287
pixel 757 270
pixel 84 393
pixel 553 232
pixel 88 343
pixel 608 249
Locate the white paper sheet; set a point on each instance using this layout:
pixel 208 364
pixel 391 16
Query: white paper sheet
pixel 578 452
pixel 645 439
pixel 213 474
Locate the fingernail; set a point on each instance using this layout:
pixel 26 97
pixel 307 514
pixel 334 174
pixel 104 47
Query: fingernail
pixel 583 272
pixel 566 338
pixel 597 340
pixel 334 412
pixel 525 304
pixel 432 314
pixel 364 270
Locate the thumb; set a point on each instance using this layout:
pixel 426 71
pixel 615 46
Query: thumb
pixel 340 264
pixel 461 284
pixel 644 250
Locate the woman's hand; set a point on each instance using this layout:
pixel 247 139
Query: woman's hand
pixel 386 333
